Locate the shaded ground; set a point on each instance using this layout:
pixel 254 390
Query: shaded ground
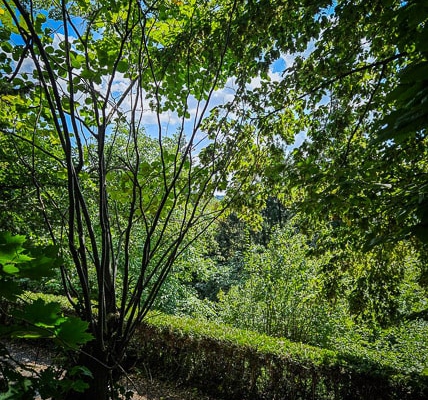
pixel 155 389
pixel 144 386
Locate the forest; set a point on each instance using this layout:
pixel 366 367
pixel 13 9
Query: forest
pixel 253 165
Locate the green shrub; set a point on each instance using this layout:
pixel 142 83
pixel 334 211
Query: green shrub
pixel 232 363
pixel 282 294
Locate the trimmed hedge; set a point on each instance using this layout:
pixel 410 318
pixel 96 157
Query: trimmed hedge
pixel 238 364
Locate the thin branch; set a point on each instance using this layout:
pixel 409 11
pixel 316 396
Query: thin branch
pixel 339 77
pixel 360 120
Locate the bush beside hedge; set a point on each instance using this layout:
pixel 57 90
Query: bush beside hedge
pixel 237 364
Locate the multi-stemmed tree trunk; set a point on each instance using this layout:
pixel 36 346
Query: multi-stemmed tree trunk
pixel 120 93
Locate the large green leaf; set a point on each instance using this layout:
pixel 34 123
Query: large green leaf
pixel 20 258
pixel 10 289
pixel 73 332
pixel 12 251
pixel 42 314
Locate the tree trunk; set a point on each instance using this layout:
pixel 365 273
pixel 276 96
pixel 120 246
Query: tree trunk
pixel 100 383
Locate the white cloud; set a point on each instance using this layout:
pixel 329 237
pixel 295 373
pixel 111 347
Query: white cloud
pixel 134 100
pixel 289 59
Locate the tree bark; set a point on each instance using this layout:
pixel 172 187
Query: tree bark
pixel 100 383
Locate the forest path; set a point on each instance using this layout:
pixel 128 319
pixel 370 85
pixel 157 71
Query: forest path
pixel 145 387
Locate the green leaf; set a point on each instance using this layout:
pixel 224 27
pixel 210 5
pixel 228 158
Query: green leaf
pixel 9 289
pixel 12 251
pixel 10 269
pixel 415 73
pixel 122 66
pixel 31 333
pixel 41 314
pixel 15 393
pixel 73 332
pixel 79 385
pixel 77 60
pixel 6 238
pixel 45 263
pixel 80 370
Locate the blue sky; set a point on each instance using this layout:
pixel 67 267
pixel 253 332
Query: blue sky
pixel 279 65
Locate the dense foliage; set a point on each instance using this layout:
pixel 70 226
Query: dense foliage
pixel 234 363
pixel 262 163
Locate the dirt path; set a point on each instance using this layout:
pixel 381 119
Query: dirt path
pixel 144 386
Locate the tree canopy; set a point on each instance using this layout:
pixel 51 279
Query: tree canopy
pixel 122 120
